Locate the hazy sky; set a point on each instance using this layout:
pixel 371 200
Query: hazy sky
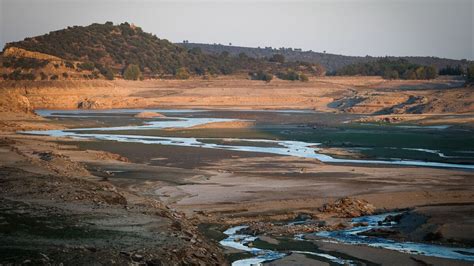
pixel 441 28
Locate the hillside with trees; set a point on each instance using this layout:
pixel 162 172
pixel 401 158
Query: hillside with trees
pixel 389 69
pixel 331 62
pixel 124 50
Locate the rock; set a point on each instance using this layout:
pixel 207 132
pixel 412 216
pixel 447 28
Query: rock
pixel 391 219
pixel 89 104
pixel 147 114
pixel 44 257
pixel 380 232
pixel 348 208
pixel 137 257
pixel 433 236
pixel 91 249
pixel 125 253
pixel 154 262
pixel 360 224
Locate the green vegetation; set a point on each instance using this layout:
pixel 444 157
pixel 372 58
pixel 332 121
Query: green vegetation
pixel 182 73
pixel 17 75
pixel 108 73
pixel 122 45
pixel 278 58
pixel 389 69
pixel 470 73
pixel 86 66
pixel 69 64
pixel 292 75
pixel 24 63
pixel 132 72
pixel 261 75
pixel 304 78
pixel 105 49
pixel 453 71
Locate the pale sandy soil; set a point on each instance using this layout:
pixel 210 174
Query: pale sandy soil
pixel 365 95
pixel 259 188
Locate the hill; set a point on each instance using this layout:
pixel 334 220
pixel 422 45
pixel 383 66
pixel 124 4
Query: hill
pixel 107 49
pixel 331 62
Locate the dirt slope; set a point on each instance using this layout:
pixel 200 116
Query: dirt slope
pixel 356 94
pixel 54 211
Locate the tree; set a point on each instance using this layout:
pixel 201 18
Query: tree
pixel 261 75
pixel 470 73
pixel 108 73
pixel 391 74
pixel 278 58
pixel 449 70
pixel 182 73
pixel 430 72
pixel 409 74
pixel 304 78
pixel 289 75
pixel 86 66
pixel 132 72
pixel 420 73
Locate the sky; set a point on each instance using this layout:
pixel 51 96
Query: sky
pixel 442 28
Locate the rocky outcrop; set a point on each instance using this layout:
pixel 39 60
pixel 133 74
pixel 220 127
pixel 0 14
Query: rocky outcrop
pixel 14 101
pixel 89 104
pixel 348 208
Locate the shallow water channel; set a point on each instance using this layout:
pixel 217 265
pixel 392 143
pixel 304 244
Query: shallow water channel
pixel 351 236
pixel 299 142
pixel 287 133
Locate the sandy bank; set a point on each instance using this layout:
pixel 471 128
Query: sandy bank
pixel 149 115
pixel 346 94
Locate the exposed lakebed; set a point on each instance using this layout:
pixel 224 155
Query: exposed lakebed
pixel 298 133
pixel 303 134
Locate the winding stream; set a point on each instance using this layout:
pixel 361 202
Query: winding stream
pixel 283 147
pixel 349 236
pixel 240 241
pixel 279 147
pixel 352 236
